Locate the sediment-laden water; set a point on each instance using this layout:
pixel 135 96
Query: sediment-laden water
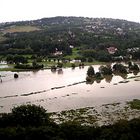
pixel 64 90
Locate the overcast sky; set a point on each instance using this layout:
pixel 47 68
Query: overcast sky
pixel 17 10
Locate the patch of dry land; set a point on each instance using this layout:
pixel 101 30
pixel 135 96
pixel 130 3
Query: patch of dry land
pixel 2 38
pixel 100 115
pixel 14 29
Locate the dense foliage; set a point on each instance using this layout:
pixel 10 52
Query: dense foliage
pixel 32 122
pixel 34 66
pixel 90 71
pixel 107 72
pixel 90 36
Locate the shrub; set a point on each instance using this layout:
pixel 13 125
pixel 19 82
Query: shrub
pixel 90 71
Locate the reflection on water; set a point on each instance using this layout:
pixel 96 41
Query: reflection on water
pixel 135 73
pixel 64 89
pixel 60 71
pixel 108 78
pixel 124 76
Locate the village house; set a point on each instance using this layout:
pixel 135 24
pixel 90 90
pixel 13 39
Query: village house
pixel 135 49
pixel 57 52
pixel 112 50
pixel 71 46
pixel 75 61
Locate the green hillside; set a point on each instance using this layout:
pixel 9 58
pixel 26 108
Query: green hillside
pixel 51 36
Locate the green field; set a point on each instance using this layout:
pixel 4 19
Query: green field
pixel 74 54
pixel 28 28
pixel 2 38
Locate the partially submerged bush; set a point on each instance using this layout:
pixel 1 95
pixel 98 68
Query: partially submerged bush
pixel 15 75
pixel 119 68
pixel 90 71
pixel 106 70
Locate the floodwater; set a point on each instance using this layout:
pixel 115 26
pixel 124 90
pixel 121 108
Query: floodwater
pixel 64 90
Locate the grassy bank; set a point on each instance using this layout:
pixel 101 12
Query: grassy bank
pixel 30 122
pixel 106 114
pixel 47 65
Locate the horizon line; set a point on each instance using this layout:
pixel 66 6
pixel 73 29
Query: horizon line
pixel 26 20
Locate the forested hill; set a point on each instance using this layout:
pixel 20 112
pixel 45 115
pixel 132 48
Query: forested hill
pixel 45 35
pixel 77 21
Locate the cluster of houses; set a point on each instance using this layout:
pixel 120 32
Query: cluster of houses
pixel 112 50
pixel 133 49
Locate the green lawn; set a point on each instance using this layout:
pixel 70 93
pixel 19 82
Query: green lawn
pixel 2 38
pixel 48 65
pixel 135 104
pixel 74 54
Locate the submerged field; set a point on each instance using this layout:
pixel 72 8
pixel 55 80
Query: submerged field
pixel 66 95
pixel 104 114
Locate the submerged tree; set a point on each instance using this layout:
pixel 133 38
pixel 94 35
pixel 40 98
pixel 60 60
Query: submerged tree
pixel 73 65
pixel 15 75
pixel 119 68
pixel 133 67
pixel 105 70
pixel 90 71
pixel 98 75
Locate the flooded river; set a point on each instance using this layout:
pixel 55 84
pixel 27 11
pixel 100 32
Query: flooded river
pixel 64 90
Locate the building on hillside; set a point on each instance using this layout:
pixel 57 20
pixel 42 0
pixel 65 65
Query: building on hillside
pixel 112 50
pixel 75 61
pixel 135 49
pixel 57 52
pixel 71 46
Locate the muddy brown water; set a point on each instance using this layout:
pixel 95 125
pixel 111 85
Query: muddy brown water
pixel 63 90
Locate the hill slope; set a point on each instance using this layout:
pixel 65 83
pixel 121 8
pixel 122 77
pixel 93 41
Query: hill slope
pixel 48 34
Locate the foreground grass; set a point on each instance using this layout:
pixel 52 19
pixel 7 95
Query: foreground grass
pixel 74 55
pixel 28 122
pixel 135 104
pixel 106 114
pixel 2 38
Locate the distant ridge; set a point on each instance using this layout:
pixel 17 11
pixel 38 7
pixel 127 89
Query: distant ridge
pixel 45 36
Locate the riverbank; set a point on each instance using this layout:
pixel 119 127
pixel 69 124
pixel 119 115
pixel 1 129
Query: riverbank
pixel 47 65
pixel 69 96
pixel 67 90
pixel 105 114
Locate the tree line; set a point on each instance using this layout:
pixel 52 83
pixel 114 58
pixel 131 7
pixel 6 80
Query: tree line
pixel 33 122
pixel 108 70
pixel 92 43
